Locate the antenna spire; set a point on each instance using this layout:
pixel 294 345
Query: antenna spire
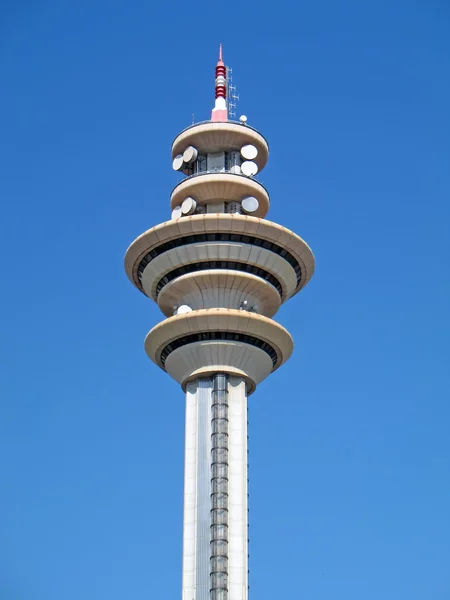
pixel 220 111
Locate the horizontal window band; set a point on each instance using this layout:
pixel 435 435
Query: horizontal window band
pixel 218 264
pixel 218 236
pixel 207 336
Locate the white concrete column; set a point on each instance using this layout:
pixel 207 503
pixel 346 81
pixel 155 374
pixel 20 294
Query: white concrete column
pixel 238 490
pixel 197 492
pixel 190 494
pixel 197 489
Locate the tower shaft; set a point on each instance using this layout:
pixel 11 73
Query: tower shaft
pixel 215 537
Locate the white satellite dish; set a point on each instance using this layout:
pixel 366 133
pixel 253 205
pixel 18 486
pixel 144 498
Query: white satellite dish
pixel 190 155
pixel 188 206
pixel 235 169
pixel 250 204
pixel 243 119
pixel 183 309
pixel 249 152
pixel 177 213
pixel 178 162
pixel 249 168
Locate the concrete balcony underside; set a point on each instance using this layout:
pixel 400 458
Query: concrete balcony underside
pixel 221 137
pixel 177 231
pixel 219 289
pixel 191 258
pixel 261 345
pixel 206 358
pixel 209 188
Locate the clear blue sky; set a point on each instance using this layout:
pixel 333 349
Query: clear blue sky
pixel 349 442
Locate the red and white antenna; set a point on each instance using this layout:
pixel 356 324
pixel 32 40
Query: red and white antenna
pixel 220 111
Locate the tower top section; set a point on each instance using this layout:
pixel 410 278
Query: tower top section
pixel 218 270
pixel 220 111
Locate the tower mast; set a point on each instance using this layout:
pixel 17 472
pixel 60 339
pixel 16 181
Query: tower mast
pixel 220 111
pixel 219 271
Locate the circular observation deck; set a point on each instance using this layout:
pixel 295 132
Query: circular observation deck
pixel 211 136
pixel 209 187
pixel 212 288
pixel 204 342
pixel 188 257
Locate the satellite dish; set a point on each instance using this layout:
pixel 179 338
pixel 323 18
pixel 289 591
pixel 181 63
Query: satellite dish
pixel 190 155
pixel 243 119
pixel 176 213
pixel 178 162
pixel 249 168
pixel 188 206
pixel 250 204
pixel 183 309
pixel 235 169
pixel 249 152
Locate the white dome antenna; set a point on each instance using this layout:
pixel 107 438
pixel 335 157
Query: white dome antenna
pixel 188 206
pixel 190 155
pixel 178 162
pixel 183 309
pixel 249 204
pixel 249 168
pixel 176 213
pixel 249 152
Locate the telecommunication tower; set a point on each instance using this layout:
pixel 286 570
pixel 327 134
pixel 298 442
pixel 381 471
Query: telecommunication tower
pixel 219 271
